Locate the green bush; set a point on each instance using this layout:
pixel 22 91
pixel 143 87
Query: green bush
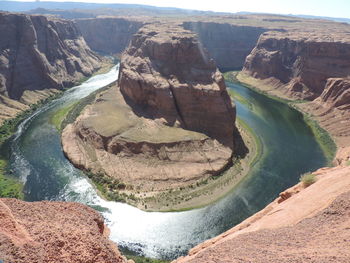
pixel 308 179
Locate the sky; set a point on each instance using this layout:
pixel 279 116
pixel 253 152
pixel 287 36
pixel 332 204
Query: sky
pixel 331 8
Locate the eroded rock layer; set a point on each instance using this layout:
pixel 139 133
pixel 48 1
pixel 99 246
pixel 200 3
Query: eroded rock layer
pixel 228 44
pixel 108 34
pixel 108 138
pixel 332 110
pixel 53 232
pixel 38 54
pixel 302 225
pixel 169 122
pixel 168 74
pixel 300 62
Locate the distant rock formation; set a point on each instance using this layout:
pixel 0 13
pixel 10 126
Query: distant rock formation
pixel 309 66
pixel 337 93
pixel 109 35
pixel 332 110
pixel 228 44
pixel 39 55
pixel 300 62
pixel 169 123
pixel 54 232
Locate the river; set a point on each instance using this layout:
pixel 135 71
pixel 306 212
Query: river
pixel 290 149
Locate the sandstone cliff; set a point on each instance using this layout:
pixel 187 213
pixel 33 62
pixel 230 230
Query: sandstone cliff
pixel 168 74
pixel 53 232
pixel 228 44
pixel 39 55
pixel 332 110
pixel 302 225
pixel 306 65
pixel 109 35
pixel 168 124
pixel 299 63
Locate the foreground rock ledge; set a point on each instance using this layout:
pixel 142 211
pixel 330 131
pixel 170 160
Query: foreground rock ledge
pixel 169 123
pixel 302 225
pixel 53 232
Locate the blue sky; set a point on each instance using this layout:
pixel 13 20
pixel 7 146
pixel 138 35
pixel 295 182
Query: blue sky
pixel 333 8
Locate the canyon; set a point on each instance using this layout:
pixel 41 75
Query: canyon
pixel 292 58
pixel 158 129
pixel 39 56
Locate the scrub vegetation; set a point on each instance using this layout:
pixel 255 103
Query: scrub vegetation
pixel 308 179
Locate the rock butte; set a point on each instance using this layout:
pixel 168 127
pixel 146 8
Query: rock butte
pixel 169 122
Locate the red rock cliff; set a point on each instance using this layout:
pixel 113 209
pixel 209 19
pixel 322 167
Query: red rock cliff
pixel 39 53
pixel 109 35
pixel 169 74
pixel 301 62
pixel 228 44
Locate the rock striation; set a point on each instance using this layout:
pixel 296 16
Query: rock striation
pixel 109 35
pixel 54 232
pixel 300 63
pixel 169 122
pixel 228 44
pixel 39 55
pixel 169 74
pixel 332 110
pixel 337 94
pixel 309 66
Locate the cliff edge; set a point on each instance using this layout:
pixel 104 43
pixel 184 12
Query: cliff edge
pixel 302 225
pixel 53 232
pixel 38 56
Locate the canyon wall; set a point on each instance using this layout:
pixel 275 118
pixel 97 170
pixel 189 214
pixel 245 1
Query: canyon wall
pixel 228 44
pixel 39 54
pixel 170 75
pixel 108 35
pixel 300 62
pixel 309 65
pixel 54 232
